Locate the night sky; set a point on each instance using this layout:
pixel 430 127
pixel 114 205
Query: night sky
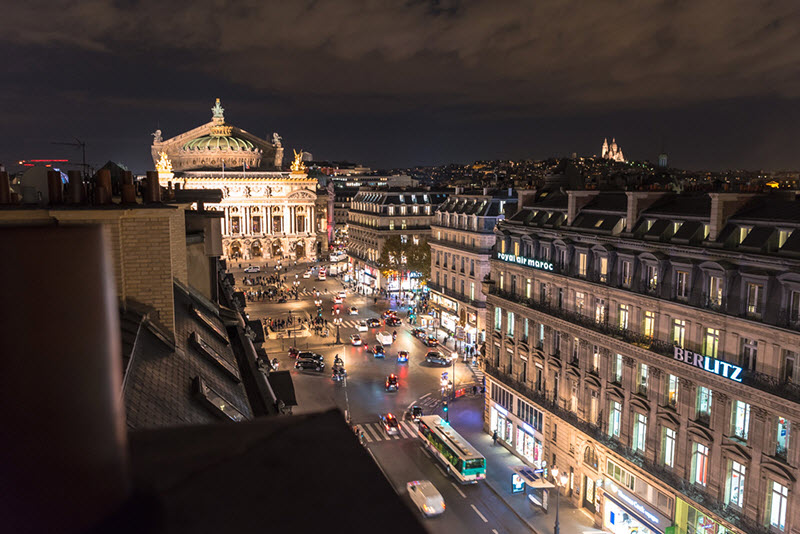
pixel 402 83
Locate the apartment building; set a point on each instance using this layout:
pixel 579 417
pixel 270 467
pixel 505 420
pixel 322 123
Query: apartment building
pixel 377 214
pixel 461 245
pixel 646 343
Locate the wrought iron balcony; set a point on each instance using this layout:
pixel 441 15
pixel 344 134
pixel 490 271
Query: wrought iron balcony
pixel 458 296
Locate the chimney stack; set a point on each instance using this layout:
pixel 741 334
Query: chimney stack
pixel 102 190
pixel 152 189
pixel 5 188
pixel 76 192
pixel 128 189
pixel 55 189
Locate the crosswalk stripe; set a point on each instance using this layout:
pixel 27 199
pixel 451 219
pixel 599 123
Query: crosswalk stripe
pixel 368 433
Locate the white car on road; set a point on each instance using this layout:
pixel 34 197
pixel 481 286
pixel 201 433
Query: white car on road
pixel 362 326
pixel 384 338
pixel 252 269
pixel 355 339
pixel 307 274
pixel 426 497
pixel 353 310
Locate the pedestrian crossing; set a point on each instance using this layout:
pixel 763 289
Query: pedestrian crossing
pixel 430 403
pixel 480 376
pixel 374 432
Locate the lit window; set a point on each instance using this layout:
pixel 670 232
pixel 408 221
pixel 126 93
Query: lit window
pixel 682 284
pixel 623 316
pixel 639 433
pixel 649 323
pixel 615 419
pixel 498 317
pixel 700 464
pixel 669 447
pixel 755 294
pixel 734 493
pixel 678 332
pixel 510 324
pixel 704 399
pixel 582 262
pixel 740 420
pixel 516 248
pixel 672 390
pixel 779 499
pixel 711 342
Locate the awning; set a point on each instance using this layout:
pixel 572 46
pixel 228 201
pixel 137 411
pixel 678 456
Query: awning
pixel 531 478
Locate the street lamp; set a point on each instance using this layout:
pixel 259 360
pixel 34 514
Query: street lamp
pixel 453 358
pixel 563 482
pixel 338 322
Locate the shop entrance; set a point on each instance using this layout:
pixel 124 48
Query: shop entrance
pixel 588 493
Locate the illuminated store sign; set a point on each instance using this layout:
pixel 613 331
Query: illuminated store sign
pixel 710 364
pixel 529 262
pixel 633 503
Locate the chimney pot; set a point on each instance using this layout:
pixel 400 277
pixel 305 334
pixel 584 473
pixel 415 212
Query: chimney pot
pixel 102 192
pixel 76 192
pixel 5 188
pixel 55 189
pixel 153 189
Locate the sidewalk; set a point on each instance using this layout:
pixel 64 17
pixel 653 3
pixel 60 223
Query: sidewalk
pixel 466 416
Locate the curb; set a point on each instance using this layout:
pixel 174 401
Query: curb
pixel 519 516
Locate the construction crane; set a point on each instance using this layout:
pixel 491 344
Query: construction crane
pixel 78 144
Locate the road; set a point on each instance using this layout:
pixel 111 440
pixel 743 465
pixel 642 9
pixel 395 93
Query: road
pixel 362 395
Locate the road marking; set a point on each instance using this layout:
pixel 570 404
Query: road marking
pixel 440 469
pixel 479 514
pixel 494 531
pixel 426 395
pixel 458 490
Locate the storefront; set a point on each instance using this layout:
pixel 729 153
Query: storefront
pixel 449 322
pixel 692 521
pixel 625 513
pixel 502 423
pixel 528 446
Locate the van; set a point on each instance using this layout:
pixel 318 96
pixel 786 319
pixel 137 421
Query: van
pixel 426 497
pixel 384 338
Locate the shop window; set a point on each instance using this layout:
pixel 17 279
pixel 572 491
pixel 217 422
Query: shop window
pixel 619 474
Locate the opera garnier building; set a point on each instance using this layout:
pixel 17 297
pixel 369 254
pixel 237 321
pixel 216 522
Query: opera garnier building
pixel 268 213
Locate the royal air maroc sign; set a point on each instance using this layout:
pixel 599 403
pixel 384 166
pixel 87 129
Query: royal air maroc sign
pixel 710 364
pixel 528 262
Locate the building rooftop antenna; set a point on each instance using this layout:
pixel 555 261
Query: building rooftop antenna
pixel 77 144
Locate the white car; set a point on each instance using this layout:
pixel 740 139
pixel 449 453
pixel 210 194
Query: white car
pixel 353 310
pixel 355 339
pixel 307 274
pixel 362 326
pixel 384 338
pixel 426 497
pixel 252 269
pixel 337 300
pixel 342 294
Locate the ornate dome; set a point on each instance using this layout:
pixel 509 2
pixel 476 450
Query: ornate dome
pixel 218 142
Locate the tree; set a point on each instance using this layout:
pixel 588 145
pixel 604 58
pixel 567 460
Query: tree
pixel 399 258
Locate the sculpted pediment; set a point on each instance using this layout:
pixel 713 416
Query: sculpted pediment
pixel 301 194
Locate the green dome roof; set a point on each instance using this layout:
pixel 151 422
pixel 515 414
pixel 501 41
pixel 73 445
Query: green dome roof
pixel 213 142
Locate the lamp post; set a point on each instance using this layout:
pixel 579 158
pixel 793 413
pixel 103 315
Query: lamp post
pixel 563 482
pixel 453 358
pixel 338 322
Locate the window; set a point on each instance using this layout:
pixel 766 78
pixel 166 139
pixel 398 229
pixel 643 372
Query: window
pixel 668 447
pixel 594 401
pixel 391 225
pixel 651 277
pixel 639 433
pixel 525 330
pixel 562 258
pixel 618 369
pixel 543 293
pixel 623 316
pixel 715 290
pixel 576 343
pixel 510 324
pixel 580 302
pixel 704 399
pixel 783 235
pixel 604 269
pixel 560 298
pixel 614 419
pixel 734 486
pixel 513 285
pixel 582 259
pixel 528 289
pixel 498 318
pixel 744 231
pixel 782 438
pixel 779 499
pixel 502 281
pixel 556 342
pixel 682 285
pixel 626 274
pixel 740 420
pixel 503 246
pixel 403 224
pixel 711 342
pixel 755 293
pixel 595 360
pixel 472 291
pixel 794 307
pixel 788 366
pixel 649 323
pixel 620 475
pixel 641 380
pixel 516 248
pixel 600 311
pixel 678 332
pixel 700 464
pixel 749 353
pixel 672 391
pixel 590 457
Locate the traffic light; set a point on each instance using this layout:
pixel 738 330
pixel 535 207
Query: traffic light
pixel 445 407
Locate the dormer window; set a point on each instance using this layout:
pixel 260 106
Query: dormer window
pixel 648 224
pixel 599 223
pixel 783 235
pixel 516 248
pixel 743 232
pixel 706 231
pixel 676 226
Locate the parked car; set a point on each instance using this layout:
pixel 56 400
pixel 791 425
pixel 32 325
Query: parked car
pixel 353 310
pixel 426 497
pixel 434 356
pixel 378 351
pixel 391 383
pixel 252 269
pixel 362 326
pixel 355 339
pixel 308 363
pixel 390 424
pixel 373 322
pixel 402 356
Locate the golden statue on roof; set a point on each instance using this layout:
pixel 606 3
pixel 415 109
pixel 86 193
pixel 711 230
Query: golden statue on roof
pixel 297 164
pixel 164 164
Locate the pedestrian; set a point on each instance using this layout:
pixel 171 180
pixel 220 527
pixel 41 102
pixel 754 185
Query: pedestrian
pixel 474 390
pixel 494 438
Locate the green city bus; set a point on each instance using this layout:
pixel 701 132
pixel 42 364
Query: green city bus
pixel 458 456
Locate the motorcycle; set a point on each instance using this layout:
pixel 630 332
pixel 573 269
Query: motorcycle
pixel 394 335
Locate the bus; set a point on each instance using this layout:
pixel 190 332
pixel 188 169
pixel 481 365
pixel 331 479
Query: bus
pixel 322 274
pixel 460 458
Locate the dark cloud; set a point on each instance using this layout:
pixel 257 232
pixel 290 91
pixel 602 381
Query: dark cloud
pixel 370 64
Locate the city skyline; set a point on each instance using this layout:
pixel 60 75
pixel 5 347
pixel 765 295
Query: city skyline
pixel 406 85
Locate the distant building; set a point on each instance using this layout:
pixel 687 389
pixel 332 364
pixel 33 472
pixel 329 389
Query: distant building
pixel 612 151
pixel 663 160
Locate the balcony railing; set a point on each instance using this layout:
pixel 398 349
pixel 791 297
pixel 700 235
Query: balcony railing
pixel 460 246
pixel 660 472
pixel 458 296
pixel 761 381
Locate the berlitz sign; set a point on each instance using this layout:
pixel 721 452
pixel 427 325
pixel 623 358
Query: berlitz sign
pixel 710 364
pixel 529 262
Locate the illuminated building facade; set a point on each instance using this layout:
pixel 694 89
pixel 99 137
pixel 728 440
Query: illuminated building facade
pixel 268 213
pixel 646 344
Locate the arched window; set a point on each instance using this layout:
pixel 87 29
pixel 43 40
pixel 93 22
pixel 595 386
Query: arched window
pixel 590 457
